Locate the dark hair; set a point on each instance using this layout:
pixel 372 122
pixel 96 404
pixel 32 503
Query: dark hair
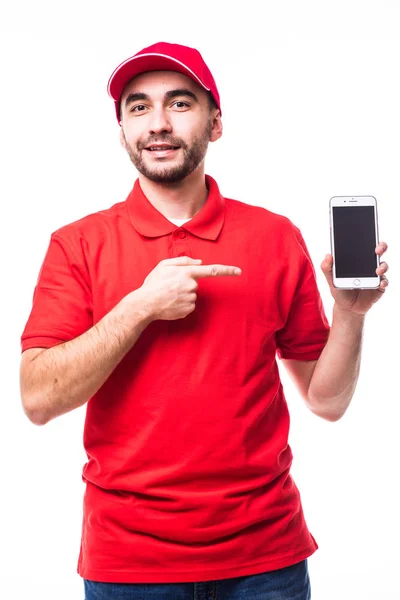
pixel 211 102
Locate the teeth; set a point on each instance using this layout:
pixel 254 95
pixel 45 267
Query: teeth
pixel 157 148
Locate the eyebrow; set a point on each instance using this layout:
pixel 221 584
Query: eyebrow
pixel 136 96
pixel 181 92
pixel 170 94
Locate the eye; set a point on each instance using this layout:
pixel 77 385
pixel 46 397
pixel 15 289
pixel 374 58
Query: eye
pixel 137 108
pixel 181 104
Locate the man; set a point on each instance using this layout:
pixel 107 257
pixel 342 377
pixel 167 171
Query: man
pixel 165 314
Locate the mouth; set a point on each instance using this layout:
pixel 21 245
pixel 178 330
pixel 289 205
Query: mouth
pixel 162 150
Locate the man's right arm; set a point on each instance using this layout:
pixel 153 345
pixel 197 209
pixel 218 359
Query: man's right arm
pixel 64 377
pixel 56 380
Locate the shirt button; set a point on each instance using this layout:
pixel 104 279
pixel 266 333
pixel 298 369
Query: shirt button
pixel 181 234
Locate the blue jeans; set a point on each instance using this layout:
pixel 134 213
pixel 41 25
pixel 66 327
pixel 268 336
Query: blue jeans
pixel 290 583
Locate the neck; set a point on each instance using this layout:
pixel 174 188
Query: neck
pixel 181 200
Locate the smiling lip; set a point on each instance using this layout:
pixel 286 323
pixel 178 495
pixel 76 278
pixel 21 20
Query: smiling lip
pixel 162 151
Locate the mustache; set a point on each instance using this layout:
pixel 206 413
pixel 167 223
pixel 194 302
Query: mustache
pixel 171 141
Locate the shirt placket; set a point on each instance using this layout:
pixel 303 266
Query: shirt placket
pixel 180 243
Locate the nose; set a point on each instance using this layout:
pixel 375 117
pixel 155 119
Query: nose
pixel 159 121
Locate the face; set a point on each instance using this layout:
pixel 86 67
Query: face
pixel 166 125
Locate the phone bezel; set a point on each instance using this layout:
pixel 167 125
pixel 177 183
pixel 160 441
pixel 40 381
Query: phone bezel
pixel 349 283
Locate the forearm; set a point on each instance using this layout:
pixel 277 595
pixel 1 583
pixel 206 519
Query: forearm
pixel 336 373
pixel 66 376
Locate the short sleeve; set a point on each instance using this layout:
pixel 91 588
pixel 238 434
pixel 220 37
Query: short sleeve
pixel 305 333
pixel 62 300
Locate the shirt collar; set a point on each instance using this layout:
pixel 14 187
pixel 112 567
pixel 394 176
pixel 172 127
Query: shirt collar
pixel 148 221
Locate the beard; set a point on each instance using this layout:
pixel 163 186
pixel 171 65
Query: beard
pixel 193 156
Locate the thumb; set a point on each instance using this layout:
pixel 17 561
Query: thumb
pixel 327 267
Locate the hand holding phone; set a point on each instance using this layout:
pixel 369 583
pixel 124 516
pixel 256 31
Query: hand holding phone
pixel 354 237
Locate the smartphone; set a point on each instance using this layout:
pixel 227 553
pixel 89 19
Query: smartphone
pixel 354 236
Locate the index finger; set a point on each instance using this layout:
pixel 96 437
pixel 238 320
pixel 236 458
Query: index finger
pixel 214 271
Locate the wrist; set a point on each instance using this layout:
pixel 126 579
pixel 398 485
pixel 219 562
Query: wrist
pixel 138 306
pixel 346 314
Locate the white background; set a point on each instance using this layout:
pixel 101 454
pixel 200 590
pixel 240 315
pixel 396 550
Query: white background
pixel 311 102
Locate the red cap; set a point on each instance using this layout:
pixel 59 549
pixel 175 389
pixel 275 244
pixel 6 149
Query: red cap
pixel 162 57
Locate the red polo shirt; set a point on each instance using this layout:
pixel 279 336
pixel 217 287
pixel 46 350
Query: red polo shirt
pixel 187 441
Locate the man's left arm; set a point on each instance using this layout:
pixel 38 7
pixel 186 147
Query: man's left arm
pixel 328 384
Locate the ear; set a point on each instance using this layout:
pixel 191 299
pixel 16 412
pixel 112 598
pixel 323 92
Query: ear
pixel 122 139
pixel 217 128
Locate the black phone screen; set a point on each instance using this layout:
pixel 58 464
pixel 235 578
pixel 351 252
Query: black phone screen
pixel 354 241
